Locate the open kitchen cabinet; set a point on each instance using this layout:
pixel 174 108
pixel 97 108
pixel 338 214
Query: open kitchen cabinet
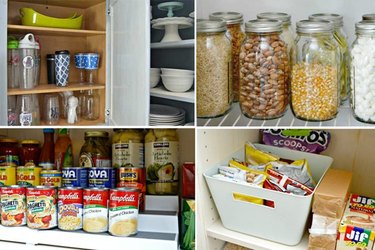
pixel 351 150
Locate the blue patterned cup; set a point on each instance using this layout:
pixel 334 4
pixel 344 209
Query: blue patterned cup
pixel 91 61
pixel 79 61
pixel 62 62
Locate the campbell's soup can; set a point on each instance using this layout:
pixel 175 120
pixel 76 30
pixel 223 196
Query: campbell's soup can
pixel 123 211
pixel 102 177
pixel 70 207
pixel 7 176
pixel 95 210
pixel 133 177
pixel 74 177
pixel 41 207
pixel 28 176
pixel 50 178
pixel 13 206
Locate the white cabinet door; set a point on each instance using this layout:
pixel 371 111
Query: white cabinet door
pixel 3 62
pixel 128 51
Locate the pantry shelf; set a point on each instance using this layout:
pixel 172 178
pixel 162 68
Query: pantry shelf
pixel 82 4
pixel 52 88
pixel 189 43
pixel 63 122
pixel 218 231
pixel 164 93
pixel 15 29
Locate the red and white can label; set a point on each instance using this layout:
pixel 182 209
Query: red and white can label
pixel 95 210
pixel 70 206
pixel 13 206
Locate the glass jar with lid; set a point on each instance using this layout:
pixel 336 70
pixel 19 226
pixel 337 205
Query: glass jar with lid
pixel 235 33
pixel 214 80
pixel 29 153
pixel 127 148
pixel 264 70
pixel 362 72
pixel 368 17
pixel 315 87
pixel 96 151
pixel 9 153
pixel 341 39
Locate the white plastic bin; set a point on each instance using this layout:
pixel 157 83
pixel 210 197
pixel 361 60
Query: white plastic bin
pixel 286 222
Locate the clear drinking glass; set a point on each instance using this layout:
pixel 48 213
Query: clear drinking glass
pixel 92 105
pixel 51 109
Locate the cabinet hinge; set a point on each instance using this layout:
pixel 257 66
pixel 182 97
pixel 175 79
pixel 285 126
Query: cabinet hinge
pixel 107 112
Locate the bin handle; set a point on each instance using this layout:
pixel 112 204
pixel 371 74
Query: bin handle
pixel 254 200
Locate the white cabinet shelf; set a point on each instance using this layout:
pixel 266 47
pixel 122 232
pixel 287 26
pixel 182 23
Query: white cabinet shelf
pixel 162 92
pixel 189 43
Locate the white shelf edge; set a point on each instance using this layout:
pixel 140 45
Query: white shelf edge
pixel 161 92
pixel 218 231
pixel 189 43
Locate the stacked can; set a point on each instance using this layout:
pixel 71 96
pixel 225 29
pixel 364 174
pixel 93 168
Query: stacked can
pixel 13 206
pixel 28 176
pixel 70 206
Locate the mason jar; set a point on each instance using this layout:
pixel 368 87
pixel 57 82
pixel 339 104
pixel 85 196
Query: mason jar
pixel 341 38
pixel 264 70
pixel 235 33
pixel 214 80
pixel 362 72
pixel 315 86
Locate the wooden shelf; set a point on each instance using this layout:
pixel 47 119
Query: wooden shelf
pixel 62 122
pixel 52 88
pixel 174 45
pixel 82 4
pixel 12 28
pixel 162 92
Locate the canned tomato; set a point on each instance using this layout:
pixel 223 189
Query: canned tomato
pixel 74 177
pixel 133 177
pixel 50 178
pixel 123 211
pixel 70 204
pixel 102 177
pixel 28 176
pixel 7 176
pixel 95 210
pixel 41 207
pixel 13 206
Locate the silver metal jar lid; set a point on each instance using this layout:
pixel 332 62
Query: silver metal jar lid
pixel 336 19
pixel 228 17
pixel 312 27
pixel 283 17
pixel 368 17
pixel 263 25
pixel 204 25
pixel 365 27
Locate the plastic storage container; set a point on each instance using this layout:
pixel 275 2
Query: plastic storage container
pixel 287 221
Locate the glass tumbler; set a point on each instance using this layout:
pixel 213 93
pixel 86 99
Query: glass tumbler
pixel 51 109
pixel 92 105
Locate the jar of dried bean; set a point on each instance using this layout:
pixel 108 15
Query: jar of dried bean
pixel 264 70
pixel 234 21
pixel 341 39
pixel 315 87
pixel 214 80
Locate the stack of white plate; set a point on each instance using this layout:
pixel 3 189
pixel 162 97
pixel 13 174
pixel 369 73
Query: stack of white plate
pixel 163 115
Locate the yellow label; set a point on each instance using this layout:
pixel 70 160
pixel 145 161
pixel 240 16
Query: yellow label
pixel 7 176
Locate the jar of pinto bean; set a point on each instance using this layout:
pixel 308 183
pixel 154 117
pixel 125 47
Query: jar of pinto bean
pixel 264 64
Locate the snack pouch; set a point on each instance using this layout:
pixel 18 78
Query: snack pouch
pixel 255 156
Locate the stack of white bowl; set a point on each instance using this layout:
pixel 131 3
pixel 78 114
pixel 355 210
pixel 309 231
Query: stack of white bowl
pixel 177 80
pixel 154 77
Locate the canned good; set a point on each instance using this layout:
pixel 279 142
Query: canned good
pixel 133 177
pixel 28 176
pixel 102 177
pixel 74 177
pixel 7 176
pixel 13 206
pixel 123 211
pixel 95 210
pixel 41 207
pixel 70 204
pixel 50 178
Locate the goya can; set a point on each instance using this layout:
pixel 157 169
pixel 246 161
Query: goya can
pixel 74 177
pixel 28 176
pixel 123 211
pixel 102 177
pixel 95 210
pixel 133 177
pixel 50 178
pixel 41 207
pixel 7 176
pixel 70 205
pixel 13 206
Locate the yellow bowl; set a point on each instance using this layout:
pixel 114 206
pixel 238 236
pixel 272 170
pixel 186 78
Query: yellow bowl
pixel 32 18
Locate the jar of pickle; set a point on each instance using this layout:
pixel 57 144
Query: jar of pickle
pixel 214 74
pixel 161 160
pixel 96 151
pixel 9 154
pixel 362 72
pixel 29 153
pixel 314 86
pixel 341 39
pixel 127 148
pixel 264 70
pixel 235 33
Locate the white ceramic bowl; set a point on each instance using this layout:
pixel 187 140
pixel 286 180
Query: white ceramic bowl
pixel 155 71
pixel 177 83
pixel 154 77
pixel 180 72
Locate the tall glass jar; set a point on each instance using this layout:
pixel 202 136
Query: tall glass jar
pixel 341 38
pixel 234 21
pixel 127 148
pixel 214 80
pixel 9 152
pixel 315 87
pixel 264 70
pixel 96 151
pixel 362 72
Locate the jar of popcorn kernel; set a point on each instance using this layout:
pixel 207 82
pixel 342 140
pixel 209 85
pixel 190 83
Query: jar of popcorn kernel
pixel 315 81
